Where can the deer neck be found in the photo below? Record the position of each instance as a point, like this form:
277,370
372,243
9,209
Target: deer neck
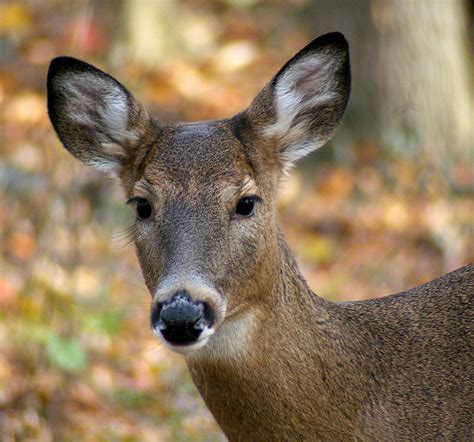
247,377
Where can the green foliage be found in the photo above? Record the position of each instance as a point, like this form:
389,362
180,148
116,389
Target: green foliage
133,399
67,354
108,322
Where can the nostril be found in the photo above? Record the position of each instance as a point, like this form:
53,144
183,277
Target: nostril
155,315
208,313
206,316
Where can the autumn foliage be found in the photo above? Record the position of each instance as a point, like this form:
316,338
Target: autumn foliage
77,358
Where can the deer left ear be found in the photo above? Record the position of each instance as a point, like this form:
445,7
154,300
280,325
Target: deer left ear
302,106
95,117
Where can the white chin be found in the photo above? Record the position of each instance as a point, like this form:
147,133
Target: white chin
186,349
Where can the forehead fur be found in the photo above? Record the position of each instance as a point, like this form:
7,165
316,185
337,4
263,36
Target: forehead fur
204,151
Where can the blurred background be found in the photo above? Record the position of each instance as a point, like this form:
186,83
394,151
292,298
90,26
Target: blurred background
387,205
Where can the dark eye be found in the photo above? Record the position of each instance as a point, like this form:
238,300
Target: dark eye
143,208
245,206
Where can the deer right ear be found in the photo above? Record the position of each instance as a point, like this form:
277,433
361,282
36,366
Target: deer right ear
95,117
301,107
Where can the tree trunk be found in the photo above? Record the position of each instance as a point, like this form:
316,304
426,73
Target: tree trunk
425,98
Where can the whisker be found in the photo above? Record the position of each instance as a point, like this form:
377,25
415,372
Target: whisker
125,237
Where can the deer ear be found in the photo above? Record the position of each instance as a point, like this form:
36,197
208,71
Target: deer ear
95,117
301,107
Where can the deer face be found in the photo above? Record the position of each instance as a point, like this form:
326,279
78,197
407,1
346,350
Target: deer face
204,216
204,193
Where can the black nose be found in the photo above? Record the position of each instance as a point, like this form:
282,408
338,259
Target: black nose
181,320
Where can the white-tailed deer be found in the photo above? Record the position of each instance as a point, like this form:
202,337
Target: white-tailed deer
272,360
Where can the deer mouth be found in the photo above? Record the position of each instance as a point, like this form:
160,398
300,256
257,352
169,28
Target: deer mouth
189,347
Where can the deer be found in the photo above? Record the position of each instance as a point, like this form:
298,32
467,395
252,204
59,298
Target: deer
271,359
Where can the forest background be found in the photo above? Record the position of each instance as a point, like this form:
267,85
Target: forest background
386,205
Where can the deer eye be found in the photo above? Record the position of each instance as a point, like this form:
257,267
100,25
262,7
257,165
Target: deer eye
142,207
246,206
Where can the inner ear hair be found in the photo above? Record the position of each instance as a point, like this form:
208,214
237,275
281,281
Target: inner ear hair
96,118
306,99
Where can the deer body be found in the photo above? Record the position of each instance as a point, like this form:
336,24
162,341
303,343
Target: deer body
271,359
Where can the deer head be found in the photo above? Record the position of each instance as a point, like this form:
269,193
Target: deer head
204,193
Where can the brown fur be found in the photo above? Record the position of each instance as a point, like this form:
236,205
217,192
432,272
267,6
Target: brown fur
283,363
394,368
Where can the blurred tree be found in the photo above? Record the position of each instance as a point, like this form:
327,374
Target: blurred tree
410,63
425,96
354,20
152,28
